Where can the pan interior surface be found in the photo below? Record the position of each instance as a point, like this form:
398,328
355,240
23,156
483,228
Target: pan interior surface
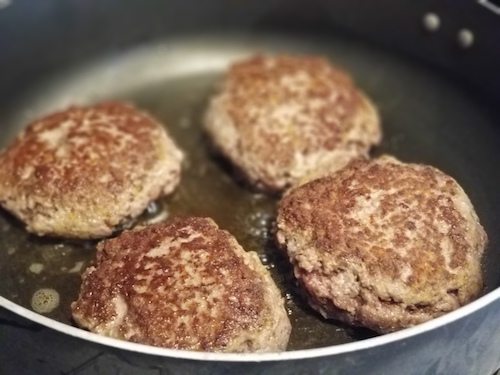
426,118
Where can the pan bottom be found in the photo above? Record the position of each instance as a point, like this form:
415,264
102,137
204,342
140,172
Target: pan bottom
426,118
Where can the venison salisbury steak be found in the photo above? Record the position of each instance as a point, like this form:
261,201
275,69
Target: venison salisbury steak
383,244
279,119
82,172
183,284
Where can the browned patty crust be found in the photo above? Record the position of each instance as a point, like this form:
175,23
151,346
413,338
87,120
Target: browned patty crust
282,118
383,244
83,171
183,284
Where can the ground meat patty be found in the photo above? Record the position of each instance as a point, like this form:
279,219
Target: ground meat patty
383,244
183,284
280,119
82,172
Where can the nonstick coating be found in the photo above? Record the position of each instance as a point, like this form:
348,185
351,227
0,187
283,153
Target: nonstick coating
426,118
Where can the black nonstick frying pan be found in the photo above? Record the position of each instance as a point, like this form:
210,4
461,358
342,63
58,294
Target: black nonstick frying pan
432,68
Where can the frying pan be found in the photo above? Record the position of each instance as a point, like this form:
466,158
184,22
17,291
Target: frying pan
430,66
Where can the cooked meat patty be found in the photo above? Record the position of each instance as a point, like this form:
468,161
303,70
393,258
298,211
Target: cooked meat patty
280,119
383,244
82,172
183,284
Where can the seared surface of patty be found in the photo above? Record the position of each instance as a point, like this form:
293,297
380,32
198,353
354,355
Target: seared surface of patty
82,172
183,284
383,244
280,119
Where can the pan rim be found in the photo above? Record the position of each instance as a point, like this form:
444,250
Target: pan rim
430,325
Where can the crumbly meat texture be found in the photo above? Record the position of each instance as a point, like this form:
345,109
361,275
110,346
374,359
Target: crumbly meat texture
383,244
184,284
282,120
82,172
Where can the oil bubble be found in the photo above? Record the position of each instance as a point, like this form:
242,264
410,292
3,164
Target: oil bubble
45,300
36,268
